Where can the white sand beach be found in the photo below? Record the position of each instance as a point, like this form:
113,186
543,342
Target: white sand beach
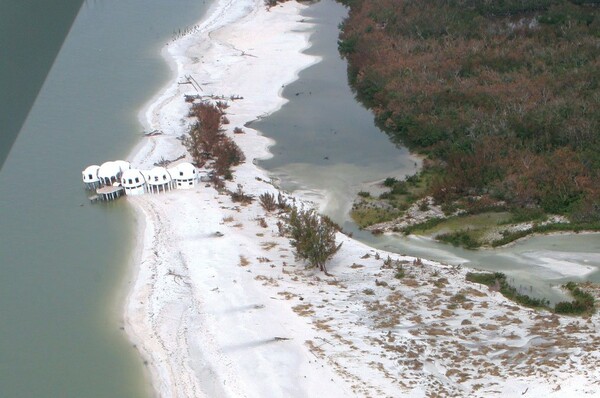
236,316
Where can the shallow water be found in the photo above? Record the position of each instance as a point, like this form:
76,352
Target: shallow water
536,266
326,143
62,260
328,148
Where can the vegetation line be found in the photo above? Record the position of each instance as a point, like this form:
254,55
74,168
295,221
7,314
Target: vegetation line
583,303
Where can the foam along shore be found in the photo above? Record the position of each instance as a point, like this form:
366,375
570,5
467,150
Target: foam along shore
218,306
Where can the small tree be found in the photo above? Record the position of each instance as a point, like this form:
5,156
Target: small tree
267,201
282,202
312,236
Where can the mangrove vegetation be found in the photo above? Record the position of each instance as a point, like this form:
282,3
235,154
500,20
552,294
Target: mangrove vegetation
501,98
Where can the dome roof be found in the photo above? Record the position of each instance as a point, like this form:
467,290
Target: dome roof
183,171
123,165
90,174
158,176
132,178
109,169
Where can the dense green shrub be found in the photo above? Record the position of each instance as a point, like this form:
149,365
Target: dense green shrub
519,215
425,225
366,216
459,238
582,303
485,278
312,236
498,280
389,182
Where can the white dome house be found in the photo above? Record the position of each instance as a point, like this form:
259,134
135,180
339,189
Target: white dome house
159,179
123,165
108,173
133,181
90,177
184,175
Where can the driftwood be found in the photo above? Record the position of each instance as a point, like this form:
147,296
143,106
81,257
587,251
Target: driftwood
193,97
152,133
189,79
165,162
245,54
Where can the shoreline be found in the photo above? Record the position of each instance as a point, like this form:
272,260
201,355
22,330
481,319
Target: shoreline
164,382
207,324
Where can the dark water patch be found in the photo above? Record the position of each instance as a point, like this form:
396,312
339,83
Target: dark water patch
31,34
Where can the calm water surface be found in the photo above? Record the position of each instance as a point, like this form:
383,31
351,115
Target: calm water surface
326,141
62,260
328,149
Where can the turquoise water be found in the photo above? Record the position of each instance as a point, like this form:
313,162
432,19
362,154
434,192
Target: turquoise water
328,149
62,260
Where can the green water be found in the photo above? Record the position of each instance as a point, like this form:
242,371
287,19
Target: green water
63,261
328,148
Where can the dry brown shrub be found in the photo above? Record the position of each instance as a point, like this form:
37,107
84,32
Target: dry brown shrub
312,347
268,245
335,282
282,202
323,325
218,183
227,154
266,280
240,197
281,228
410,282
244,261
303,309
446,313
489,326
473,292
287,295
267,201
